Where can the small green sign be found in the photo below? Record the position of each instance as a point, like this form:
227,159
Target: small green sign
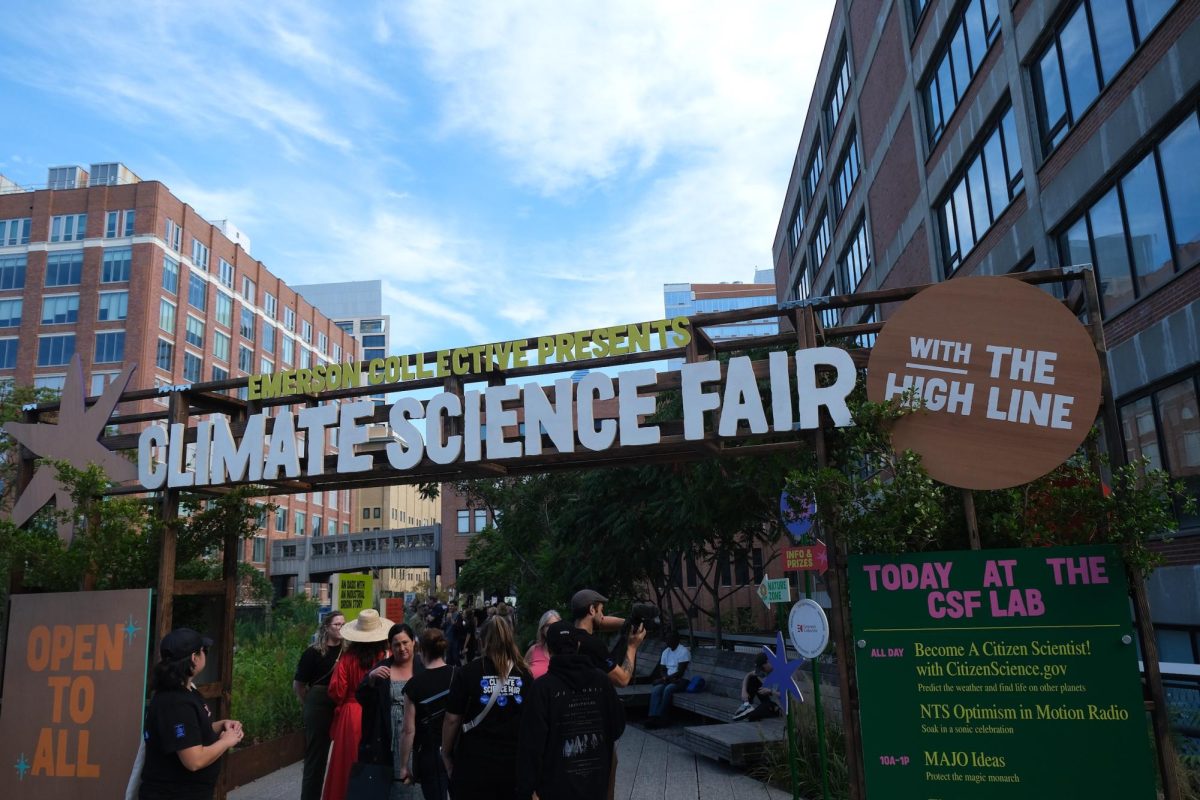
999,674
774,590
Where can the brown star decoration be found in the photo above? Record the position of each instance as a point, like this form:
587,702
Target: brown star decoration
75,438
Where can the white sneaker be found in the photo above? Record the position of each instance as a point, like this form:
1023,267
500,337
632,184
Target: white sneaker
743,710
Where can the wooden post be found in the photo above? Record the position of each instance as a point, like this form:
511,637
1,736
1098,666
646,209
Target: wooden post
177,412
968,498
1159,713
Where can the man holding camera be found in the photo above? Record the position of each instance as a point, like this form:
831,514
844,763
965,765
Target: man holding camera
587,608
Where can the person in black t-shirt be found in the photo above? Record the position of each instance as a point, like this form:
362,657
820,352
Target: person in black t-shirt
753,693
587,607
424,712
183,742
479,735
311,685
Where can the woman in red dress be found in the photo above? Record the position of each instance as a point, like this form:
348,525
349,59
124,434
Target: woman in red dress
366,644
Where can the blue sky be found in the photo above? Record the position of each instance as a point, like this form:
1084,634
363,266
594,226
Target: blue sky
507,168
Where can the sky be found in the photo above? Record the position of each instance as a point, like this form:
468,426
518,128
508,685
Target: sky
507,169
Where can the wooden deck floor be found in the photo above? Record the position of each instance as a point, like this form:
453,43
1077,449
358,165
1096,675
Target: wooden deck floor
649,767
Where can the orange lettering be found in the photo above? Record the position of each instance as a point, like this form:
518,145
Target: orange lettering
109,653
60,646
37,652
83,647
83,699
43,754
62,768
58,683
86,770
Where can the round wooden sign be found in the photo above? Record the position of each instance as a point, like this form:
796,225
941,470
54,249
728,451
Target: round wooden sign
1008,378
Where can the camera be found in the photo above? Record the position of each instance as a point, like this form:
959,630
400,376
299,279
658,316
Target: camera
644,614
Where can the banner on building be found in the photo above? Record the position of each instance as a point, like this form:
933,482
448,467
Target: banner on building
74,688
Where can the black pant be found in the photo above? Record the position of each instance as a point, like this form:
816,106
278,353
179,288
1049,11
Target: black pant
431,772
765,709
318,716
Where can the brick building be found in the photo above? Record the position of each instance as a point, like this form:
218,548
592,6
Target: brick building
121,271
983,137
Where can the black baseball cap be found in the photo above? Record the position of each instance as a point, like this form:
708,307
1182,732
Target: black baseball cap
561,638
582,600
181,643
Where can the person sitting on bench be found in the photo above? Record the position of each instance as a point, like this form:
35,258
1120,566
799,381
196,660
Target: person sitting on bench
668,679
753,693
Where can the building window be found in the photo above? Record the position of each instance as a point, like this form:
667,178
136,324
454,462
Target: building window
480,519
8,353
801,288
170,275
813,174
856,260
464,521
836,100
64,269
53,382
337,353
54,351
221,343
366,513
1125,235
60,309
306,331
265,367
113,306
246,329
164,359
316,525
110,347
796,229
68,228
820,240
1164,428
15,231
305,359
119,223
288,350
289,319
12,272
993,178
192,367
225,273
249,292
116,266
830,317
300,523
193,332
245,359
10,312
281,519
1088,49
847,174
197,291
270,304
199,255
166,315
974,31
322,343
259,555
332,527
268,337
224,310
220,374
173,235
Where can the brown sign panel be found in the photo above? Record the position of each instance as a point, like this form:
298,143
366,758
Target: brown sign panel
74,685
1008,378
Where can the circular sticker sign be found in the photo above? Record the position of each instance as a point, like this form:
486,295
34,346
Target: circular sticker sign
1007,378
808,628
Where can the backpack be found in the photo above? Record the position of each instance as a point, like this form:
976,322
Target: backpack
696,684
430,712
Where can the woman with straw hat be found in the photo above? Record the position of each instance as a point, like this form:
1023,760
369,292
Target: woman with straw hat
365,642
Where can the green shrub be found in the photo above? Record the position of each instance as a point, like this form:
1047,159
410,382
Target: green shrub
263,665
774,769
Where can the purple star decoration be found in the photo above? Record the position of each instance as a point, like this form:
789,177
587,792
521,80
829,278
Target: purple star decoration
780,676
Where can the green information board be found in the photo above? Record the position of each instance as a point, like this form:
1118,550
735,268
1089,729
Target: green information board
999,674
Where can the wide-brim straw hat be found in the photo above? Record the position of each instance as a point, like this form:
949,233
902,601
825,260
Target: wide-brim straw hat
368,627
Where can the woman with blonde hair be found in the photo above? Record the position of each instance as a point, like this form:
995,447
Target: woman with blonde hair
483,718
537,656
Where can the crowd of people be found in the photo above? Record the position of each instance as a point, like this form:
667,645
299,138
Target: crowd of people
457,710
448,704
